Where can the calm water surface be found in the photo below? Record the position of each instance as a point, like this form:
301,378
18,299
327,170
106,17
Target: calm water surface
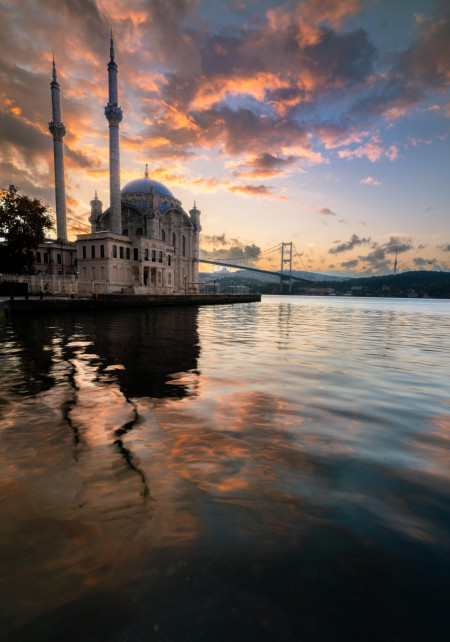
266,471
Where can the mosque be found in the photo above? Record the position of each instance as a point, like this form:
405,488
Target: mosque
143,243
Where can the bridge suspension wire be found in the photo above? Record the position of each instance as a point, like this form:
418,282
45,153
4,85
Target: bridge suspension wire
301,260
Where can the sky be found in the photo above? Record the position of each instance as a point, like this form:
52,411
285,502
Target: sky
321,122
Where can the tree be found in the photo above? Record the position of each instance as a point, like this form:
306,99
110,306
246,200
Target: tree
23,222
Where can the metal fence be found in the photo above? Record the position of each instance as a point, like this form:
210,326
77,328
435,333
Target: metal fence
56,285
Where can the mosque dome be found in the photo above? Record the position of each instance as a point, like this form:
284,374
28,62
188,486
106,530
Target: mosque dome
144,186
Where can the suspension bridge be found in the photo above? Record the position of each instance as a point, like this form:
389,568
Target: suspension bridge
287,250
288,253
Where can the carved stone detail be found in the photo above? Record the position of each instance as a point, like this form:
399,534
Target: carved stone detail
57,130
113,114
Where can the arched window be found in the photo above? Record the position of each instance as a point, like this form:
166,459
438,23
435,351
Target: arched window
125,232
160,257
121,252
146,254
163,235
153,255
173,242
135,254
139,231
114,248
183,250
128,253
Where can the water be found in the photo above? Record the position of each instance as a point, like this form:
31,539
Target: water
265,471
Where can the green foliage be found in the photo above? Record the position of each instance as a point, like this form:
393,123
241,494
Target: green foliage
23,220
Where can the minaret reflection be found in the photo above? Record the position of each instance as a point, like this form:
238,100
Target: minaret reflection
88,371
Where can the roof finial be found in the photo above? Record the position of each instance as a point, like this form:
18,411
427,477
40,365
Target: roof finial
96,197
146,170
111,47
53,67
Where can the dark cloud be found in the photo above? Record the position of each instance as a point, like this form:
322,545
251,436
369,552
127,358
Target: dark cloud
397,245
377,258
349,245
264,166
420,262
254,190
234,249
446,248
176,45
350,264
326,212
215,239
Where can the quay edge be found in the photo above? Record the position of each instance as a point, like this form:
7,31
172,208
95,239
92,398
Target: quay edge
110,301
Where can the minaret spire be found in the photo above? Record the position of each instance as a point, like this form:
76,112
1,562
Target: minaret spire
114,116
146,170
58,132
111,47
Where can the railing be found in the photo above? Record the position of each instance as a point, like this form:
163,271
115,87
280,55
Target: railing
56,285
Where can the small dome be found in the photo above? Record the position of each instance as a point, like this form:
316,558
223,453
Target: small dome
144,186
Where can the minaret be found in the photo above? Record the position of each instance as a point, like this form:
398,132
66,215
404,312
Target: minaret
114,115
58,132
195,218
96,210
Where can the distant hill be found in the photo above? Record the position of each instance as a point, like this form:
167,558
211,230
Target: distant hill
420,283
267,278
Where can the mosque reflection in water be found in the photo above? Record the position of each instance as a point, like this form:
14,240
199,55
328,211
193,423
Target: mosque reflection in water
158,483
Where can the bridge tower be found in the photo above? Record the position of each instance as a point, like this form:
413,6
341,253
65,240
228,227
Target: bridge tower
286,252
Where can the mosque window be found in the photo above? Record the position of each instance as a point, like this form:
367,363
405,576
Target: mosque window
135,254
153,256
163,235
83,252
92,251
125,232
102,251
146,254
114,248
45,257
139,231
183,250
173,242
159,257
38,257
169,260
121,252
128,253
58,259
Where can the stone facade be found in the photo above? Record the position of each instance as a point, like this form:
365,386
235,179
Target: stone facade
56,258
157,251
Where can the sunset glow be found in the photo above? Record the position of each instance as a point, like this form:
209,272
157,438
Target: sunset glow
324,122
